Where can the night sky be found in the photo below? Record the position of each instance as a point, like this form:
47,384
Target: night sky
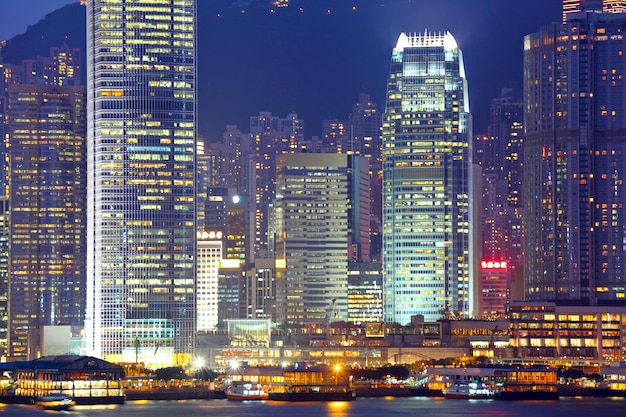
317,60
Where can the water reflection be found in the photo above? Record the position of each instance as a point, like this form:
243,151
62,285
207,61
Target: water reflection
338,409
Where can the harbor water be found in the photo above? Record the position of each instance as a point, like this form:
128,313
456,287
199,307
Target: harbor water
361,407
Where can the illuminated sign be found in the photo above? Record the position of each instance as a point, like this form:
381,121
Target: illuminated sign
494,264
209,235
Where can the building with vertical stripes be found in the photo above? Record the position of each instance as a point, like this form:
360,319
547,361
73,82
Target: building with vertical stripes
426,181
315,227
141,207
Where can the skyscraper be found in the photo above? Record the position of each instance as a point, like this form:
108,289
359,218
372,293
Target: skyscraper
141,260
575,161
315,194
272,136
426,181
500,157
365,122
47,172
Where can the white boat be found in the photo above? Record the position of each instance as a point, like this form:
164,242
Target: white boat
56,402
469,391
246,391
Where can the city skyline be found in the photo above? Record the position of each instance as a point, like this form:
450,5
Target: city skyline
278,224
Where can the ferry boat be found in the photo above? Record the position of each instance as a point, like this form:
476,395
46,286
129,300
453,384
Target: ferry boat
55,402
246,391
314,383
527,384
314,394
469,391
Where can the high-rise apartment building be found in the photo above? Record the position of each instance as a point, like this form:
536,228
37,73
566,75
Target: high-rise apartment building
426,181
575,161
575,6
499,155
314,199
62,67
47,172
141,214
272,136
365,135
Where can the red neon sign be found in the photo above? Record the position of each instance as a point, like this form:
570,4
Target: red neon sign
494,264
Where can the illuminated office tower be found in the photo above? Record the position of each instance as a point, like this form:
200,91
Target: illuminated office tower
209,259
575,161
365,292
315,197
141,225
426,181
46,213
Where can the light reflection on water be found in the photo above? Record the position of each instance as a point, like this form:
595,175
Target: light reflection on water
362,407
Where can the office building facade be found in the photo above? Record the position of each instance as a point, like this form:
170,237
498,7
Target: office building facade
426,181
141,260
312,230
209,258
574,161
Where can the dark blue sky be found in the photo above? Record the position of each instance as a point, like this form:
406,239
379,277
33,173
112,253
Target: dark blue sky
16,15
316,63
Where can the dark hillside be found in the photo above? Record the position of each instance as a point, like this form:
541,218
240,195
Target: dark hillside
63,26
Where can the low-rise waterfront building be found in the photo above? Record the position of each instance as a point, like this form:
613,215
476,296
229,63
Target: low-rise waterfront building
548,330
86,379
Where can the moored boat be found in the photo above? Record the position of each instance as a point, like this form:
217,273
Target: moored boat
527,384
469,391
313,394
246,391
56,402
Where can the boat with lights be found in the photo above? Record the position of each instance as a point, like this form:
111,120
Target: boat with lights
246,391
469,391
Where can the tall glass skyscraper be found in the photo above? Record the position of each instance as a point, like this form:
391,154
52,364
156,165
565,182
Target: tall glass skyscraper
141,229
426,184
